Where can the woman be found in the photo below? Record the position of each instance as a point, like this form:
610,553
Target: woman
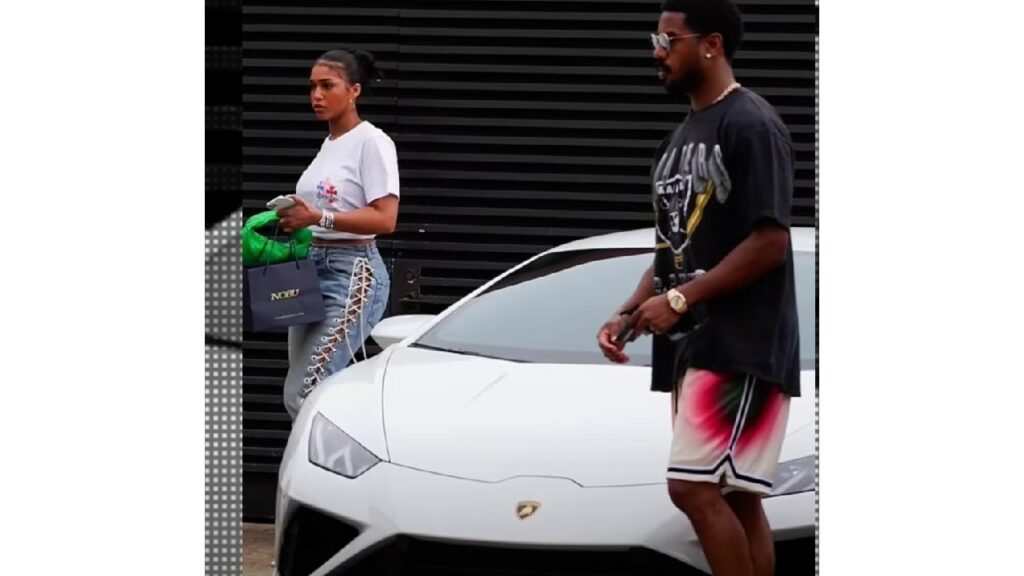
347,195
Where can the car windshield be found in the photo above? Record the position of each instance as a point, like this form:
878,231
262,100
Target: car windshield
550,310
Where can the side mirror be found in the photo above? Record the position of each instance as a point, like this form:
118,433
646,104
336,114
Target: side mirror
397,328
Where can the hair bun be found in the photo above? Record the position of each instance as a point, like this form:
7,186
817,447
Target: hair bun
368,65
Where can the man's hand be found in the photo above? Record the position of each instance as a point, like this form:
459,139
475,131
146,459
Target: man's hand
610,347
299,216
655,315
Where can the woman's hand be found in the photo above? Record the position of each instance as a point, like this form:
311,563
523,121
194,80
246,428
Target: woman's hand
299,216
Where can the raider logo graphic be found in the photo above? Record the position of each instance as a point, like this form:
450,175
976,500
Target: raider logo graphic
685,180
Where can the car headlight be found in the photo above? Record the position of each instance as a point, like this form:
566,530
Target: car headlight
331,449
793,476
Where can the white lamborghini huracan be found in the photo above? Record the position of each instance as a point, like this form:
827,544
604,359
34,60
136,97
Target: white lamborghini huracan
495,438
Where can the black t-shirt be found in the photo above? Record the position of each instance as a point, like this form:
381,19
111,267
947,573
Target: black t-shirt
726,169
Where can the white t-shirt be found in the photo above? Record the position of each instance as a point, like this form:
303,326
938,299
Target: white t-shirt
349,173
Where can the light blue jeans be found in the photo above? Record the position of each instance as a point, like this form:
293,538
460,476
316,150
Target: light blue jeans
355,286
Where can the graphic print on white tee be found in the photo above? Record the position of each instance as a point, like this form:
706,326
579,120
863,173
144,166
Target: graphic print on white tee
326,194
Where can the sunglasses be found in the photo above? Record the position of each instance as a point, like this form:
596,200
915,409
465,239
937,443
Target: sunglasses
664,41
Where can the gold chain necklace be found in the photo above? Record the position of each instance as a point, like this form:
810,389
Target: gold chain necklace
728,89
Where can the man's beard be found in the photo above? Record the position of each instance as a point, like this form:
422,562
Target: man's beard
687,84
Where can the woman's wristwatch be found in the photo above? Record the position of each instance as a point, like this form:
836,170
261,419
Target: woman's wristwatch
327,219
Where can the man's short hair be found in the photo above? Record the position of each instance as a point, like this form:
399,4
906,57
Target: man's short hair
709,17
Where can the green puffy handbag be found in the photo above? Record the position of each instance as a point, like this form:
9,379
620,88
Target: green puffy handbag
258,249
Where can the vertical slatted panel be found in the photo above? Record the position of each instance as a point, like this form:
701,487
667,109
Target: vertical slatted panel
520,124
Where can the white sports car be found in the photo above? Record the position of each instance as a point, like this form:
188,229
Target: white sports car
495,438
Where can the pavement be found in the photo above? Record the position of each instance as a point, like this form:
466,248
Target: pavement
257,549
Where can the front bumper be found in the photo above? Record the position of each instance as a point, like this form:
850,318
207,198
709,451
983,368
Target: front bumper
391,507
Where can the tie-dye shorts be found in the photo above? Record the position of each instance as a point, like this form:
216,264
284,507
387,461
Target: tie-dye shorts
727,429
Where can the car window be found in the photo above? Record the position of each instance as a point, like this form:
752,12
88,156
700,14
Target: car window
550,310
804,272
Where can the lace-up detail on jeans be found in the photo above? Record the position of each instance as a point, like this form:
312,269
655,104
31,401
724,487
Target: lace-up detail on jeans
352,316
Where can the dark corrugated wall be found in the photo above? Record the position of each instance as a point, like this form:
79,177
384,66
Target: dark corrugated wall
519,125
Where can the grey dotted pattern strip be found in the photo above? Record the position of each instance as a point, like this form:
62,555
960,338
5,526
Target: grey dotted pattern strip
226,118
223,57
224,399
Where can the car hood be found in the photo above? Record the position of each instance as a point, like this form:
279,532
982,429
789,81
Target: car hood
492,420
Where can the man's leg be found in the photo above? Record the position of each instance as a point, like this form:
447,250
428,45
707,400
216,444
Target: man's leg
720,532
756,457
709,409
748,509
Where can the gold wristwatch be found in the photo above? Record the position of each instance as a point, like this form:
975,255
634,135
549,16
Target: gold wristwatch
677,301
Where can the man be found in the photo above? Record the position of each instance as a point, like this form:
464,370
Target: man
725,341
